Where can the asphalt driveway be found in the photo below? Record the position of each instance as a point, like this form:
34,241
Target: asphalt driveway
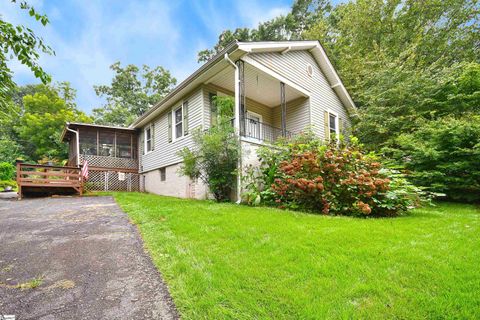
76,258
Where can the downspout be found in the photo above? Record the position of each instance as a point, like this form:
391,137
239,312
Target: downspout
237,125
77,143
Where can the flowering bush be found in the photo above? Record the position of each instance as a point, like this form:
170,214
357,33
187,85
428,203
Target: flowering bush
331,179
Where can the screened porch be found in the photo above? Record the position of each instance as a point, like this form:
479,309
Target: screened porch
101,146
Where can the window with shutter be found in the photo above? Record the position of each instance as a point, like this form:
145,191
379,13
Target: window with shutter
178,123
148,137
332,125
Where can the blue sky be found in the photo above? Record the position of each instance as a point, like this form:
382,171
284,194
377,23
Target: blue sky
88,36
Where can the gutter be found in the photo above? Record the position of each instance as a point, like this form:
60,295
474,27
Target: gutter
77,143
237,126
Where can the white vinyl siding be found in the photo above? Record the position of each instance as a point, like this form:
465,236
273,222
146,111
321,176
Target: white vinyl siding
166,153
298,115
293,66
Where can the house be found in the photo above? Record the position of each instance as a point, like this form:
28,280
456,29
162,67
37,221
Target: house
280,89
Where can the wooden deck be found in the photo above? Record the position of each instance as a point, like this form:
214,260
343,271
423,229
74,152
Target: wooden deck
40,179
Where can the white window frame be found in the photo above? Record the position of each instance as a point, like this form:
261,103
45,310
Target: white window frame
337,124
149,127
260,117
174,124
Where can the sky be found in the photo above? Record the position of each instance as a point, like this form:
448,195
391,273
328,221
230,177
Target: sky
89,36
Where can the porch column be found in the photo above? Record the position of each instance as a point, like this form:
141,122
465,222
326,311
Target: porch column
283,107
240,95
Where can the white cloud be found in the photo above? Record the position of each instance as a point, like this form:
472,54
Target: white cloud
253,12
89,36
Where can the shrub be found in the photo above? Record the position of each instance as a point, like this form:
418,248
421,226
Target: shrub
306,174
444,156
7,171
7,183
214,159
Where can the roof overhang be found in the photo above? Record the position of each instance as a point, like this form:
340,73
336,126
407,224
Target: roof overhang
237,50
76,125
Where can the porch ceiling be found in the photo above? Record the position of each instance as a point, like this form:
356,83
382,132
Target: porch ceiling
259,85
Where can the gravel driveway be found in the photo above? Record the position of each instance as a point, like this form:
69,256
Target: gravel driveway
76,258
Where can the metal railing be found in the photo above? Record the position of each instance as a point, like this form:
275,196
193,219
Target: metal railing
255,129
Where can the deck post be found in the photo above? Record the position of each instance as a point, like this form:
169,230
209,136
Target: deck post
19,176
283,106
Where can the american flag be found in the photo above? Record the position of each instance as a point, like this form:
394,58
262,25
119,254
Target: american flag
84,171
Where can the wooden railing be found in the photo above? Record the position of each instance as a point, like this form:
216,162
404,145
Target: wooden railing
45,176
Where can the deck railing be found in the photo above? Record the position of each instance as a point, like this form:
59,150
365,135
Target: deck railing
45,176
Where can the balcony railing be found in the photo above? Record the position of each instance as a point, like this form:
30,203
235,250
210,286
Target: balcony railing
257,130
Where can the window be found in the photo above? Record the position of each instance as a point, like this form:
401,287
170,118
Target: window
163,174
178,121
253,125
148,139
333,124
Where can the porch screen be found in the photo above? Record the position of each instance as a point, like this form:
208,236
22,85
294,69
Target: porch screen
106,144
124,145
88,142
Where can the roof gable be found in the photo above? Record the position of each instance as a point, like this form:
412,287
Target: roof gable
236,50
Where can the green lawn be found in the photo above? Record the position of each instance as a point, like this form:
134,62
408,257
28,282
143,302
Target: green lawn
230,261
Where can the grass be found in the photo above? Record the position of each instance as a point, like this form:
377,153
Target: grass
30,284
230,261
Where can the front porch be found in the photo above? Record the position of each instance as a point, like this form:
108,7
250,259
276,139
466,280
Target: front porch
267,106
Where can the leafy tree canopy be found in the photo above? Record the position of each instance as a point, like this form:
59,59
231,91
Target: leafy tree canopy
31,129
23,44
131,93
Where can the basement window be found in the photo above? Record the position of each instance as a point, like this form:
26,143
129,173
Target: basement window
163,174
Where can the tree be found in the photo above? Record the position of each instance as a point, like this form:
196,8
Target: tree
40,123
131,93
21,42
395,57
443,156
284,27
